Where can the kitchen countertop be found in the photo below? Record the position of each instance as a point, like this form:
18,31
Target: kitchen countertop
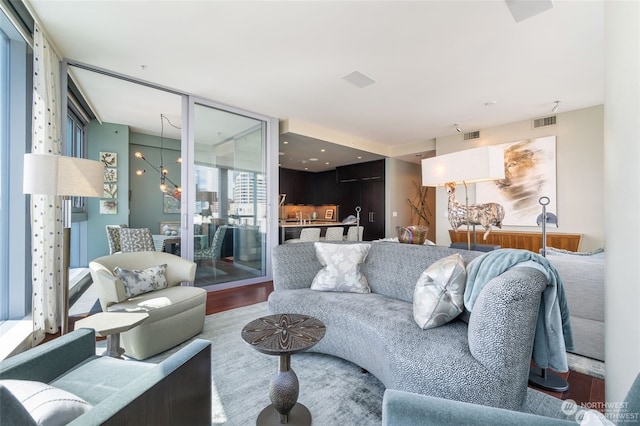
312,224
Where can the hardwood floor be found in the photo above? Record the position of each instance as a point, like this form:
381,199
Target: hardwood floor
232,298
582,388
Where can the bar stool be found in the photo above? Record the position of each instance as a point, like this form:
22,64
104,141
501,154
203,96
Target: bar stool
334,233
355,233
307,234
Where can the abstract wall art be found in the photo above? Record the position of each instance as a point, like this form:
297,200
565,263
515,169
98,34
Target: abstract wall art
530,173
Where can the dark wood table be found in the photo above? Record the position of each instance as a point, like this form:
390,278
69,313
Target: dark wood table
283,335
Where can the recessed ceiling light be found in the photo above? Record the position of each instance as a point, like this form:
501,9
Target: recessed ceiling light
306,168
313,159
327,163
281,153
322,150
359,157
285,142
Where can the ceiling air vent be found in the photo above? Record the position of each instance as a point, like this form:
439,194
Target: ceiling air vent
472,135
544,121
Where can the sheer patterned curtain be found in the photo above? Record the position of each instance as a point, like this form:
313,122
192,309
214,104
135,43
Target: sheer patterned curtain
46,212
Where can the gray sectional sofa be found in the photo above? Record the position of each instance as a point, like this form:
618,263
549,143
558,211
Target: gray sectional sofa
583,277
484,362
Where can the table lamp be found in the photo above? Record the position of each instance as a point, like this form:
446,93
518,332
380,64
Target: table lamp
67,177
463,167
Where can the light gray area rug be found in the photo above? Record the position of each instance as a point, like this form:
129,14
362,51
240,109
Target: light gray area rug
584,365
335,391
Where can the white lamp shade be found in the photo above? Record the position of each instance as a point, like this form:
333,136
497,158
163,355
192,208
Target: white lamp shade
468,166
60,175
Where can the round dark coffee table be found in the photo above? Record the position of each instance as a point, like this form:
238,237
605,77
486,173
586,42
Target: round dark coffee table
283,335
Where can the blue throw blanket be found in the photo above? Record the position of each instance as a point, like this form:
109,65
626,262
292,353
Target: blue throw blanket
553,329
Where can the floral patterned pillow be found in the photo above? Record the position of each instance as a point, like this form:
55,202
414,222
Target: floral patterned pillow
439,293
341,270
139,281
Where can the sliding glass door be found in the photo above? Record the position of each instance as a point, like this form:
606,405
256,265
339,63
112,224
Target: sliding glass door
228,201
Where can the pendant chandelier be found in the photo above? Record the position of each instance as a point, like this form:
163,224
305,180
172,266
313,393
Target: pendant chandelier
175,191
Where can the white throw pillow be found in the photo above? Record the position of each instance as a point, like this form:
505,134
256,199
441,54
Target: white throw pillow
341,271
439,293
48,405
139,281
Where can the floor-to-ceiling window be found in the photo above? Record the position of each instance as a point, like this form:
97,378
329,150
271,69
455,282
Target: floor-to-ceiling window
15,137
4,222
75,147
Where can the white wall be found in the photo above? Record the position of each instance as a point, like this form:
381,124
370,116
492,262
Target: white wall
622,175
399,178
579,169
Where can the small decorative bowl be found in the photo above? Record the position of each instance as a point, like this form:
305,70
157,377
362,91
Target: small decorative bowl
413,234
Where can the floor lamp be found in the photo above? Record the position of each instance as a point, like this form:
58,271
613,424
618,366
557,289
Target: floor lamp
540,377
46,174
463,167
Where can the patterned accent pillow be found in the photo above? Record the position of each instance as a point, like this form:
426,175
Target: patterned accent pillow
47,404
136,239
439,293
341,270
139,281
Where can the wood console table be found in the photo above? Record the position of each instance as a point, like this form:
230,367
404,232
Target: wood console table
519,239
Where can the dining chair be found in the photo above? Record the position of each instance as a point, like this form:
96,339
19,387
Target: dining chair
136,239
113,237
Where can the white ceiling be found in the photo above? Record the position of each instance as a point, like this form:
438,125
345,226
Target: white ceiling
435,63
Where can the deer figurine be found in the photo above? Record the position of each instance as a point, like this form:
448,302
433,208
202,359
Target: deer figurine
477,214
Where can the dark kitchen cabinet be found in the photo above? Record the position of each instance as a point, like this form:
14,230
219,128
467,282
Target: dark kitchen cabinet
297,185
363,185
348,187
372,170
372,215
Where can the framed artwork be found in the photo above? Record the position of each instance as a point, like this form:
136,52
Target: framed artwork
170,228
110,190
530,173
170,204
110,174
108,207
328,214
110,159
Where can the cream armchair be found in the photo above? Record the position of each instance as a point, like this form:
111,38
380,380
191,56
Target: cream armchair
176,313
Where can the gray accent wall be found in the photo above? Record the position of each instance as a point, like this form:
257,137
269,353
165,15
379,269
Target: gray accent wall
146,199
110,138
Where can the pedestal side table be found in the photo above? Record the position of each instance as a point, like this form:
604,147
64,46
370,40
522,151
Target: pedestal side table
110,325
283,335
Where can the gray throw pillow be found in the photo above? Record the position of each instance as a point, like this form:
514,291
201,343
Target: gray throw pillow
341,268
438,296
46,404
139,281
